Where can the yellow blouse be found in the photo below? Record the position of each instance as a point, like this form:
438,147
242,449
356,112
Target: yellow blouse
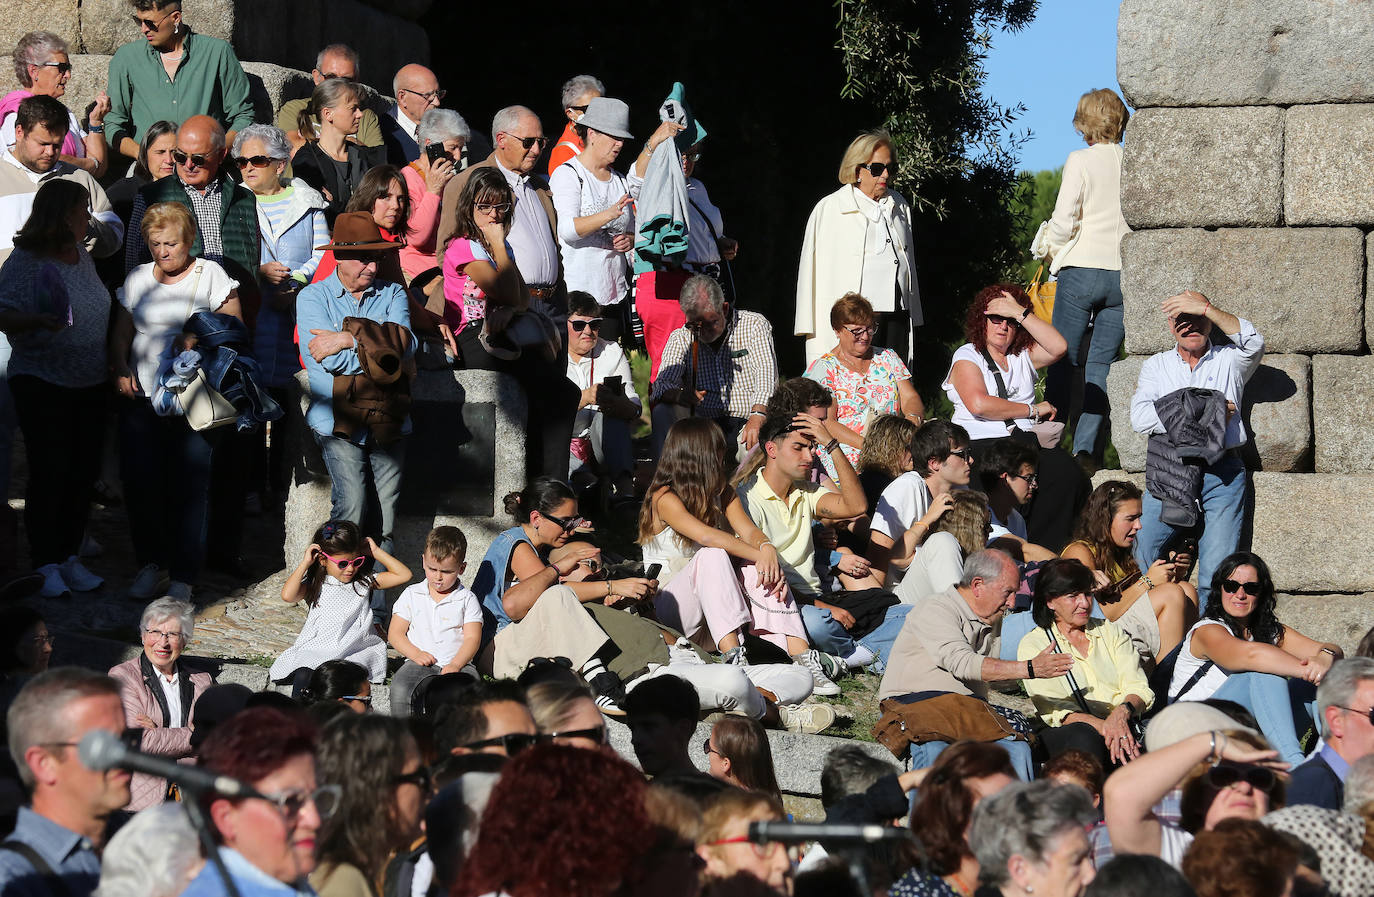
1106,674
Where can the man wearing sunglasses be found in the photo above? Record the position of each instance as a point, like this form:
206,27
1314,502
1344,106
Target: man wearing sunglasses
520,141
59,833
1173,491
171,75
487,718
599,368
1345,715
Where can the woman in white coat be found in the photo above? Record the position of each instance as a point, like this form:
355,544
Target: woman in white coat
859,240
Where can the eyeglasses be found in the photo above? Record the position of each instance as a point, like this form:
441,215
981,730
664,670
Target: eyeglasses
44,639
290,803
346,564
527,142
692,157
255,161
488,208
1250,588
1367,714
431,96
578,108
707,749
199,160
596,733
878,168
762,851
512,744
568,523
419,778
579,326
63,68
149,24
365,700
1224,775
171,635
965,453
861,332
130,738
1003,319
1031,479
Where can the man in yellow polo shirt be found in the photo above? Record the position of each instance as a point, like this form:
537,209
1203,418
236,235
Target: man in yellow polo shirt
858,627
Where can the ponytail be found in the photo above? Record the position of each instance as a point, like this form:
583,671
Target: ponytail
542,495
305,121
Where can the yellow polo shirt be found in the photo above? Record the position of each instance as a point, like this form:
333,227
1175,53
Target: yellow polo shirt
787,524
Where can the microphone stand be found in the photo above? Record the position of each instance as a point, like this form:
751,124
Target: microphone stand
207,840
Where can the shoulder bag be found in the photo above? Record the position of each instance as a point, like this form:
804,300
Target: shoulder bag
1132,722
204,407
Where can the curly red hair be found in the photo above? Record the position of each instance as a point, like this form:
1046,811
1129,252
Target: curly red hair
976,324
561,820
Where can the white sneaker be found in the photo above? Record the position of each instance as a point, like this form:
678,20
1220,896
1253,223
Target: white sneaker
181,591
78,577
811,661
147,584
54,586
861,657
806,719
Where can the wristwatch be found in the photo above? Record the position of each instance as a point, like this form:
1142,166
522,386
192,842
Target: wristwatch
1025,314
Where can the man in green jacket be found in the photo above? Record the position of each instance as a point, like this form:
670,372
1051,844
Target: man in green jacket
172,74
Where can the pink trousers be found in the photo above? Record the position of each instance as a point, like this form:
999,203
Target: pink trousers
656,300
715,595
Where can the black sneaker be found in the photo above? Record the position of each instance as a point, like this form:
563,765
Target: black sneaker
610,693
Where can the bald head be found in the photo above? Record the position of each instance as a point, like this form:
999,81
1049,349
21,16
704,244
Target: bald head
417,91
200,143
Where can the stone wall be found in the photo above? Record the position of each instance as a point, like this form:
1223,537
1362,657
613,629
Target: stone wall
1247,176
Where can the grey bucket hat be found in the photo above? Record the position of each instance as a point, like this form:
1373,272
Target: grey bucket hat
609,116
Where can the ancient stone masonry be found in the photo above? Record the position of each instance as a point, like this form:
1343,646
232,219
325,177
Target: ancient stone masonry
1247,176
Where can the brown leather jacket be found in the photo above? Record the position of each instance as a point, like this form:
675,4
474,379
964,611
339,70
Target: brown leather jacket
379,397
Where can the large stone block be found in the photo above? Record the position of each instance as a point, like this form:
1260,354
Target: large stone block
1302,287
1315,530
1342,391
1245,52
1277,414
23,16
1340,619
1326,164
1369,287
272,85
1203,167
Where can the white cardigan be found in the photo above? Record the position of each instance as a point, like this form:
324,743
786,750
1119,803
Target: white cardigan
832,263
1087,226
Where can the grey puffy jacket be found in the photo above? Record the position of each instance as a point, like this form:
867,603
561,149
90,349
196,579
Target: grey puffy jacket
1194,436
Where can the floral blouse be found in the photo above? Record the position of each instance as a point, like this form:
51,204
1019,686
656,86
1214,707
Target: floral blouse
861,397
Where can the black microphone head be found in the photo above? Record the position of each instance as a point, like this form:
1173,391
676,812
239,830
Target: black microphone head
100,750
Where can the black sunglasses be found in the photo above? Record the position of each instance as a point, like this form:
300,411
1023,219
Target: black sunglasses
255,161
1367,714
877,168
707,749
199,160
362,699
512,744
578,108
965,453
1003,319
62,67
579,326
1250,588
596,733
528,142
568,523
419,778
1224,775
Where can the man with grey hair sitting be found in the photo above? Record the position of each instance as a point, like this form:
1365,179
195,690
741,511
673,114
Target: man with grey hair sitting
720,365
54,847
948,649
1345,715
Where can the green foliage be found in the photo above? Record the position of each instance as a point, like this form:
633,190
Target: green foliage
1033,203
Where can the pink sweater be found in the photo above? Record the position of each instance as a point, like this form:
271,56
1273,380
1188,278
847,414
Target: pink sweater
417,256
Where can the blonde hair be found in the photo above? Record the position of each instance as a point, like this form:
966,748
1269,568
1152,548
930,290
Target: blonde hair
966,520
165,215
861,150
1101,116
887,437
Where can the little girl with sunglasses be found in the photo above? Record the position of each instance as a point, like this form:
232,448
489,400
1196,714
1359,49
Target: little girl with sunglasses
335,577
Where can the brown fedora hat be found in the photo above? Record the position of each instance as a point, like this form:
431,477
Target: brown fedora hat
357,232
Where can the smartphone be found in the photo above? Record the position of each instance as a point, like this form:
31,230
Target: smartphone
614,384
1186,545
653,571
436,151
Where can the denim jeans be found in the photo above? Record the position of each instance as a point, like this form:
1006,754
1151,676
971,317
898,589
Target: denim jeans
829,636
923,755
1283,707
1081,293
166,467
1223,514
348,465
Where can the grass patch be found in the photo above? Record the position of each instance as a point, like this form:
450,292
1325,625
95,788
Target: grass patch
858,698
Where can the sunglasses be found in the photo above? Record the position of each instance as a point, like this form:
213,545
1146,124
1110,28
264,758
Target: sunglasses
419,778
487,208
596,733
964,453
365,700
346,564
579,326
512,744
568,523
1224,775
1367,714
1002,319
1250,588
527,142
707,749
578,108
692,157
1031,480
326,799
199,160
63,68
150,24
878,168
255,161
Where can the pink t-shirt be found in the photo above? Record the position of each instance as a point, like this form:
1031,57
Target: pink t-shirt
464,301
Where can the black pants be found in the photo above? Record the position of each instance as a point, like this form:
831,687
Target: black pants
551,397
63,429
1076,736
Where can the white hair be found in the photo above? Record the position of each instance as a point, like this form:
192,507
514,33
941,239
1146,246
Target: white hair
986,565
1339,686
438,125
1026,819
152,855
170,609
700,292
35,48
577,85
508,118
1359,785
273,140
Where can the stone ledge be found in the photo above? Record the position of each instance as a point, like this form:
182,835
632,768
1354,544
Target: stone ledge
1302,287
1326,164
1204,168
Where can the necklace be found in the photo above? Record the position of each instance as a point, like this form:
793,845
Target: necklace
957,880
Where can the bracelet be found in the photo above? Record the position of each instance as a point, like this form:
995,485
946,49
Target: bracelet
1149,584
759,413
1325,650
830,446
763,543
609,589
1030,669
95,129
1025,314
1212,748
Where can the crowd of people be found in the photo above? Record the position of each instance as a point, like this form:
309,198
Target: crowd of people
174,266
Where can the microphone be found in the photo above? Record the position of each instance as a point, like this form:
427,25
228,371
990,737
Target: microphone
100,750
836,833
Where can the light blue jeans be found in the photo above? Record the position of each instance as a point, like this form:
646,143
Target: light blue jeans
348,465
1223,514
923,755
829,636
1283,707
1081,293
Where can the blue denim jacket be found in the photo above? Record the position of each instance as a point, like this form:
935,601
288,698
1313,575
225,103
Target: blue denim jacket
492,580
323,306
225,348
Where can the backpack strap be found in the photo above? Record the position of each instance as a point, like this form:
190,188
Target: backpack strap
581,184
56,886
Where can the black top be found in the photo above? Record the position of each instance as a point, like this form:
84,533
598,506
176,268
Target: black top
336,180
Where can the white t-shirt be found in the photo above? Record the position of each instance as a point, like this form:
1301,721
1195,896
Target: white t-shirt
605,360
904,501
1019,377
73,127
160,311
437,627
1015,525
590,262
1188,663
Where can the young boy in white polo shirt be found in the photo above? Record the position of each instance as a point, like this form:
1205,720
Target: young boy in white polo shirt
437,622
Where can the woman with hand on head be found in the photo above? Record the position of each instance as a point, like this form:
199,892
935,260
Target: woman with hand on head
329,161
1239,651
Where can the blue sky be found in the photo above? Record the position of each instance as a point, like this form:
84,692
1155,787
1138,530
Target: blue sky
1068,49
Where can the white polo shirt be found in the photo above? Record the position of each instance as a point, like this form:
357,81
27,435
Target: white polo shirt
437,626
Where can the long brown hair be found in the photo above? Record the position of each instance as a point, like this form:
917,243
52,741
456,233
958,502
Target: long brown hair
1094,526
484,184
373,187
742,741
966,520
692,465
